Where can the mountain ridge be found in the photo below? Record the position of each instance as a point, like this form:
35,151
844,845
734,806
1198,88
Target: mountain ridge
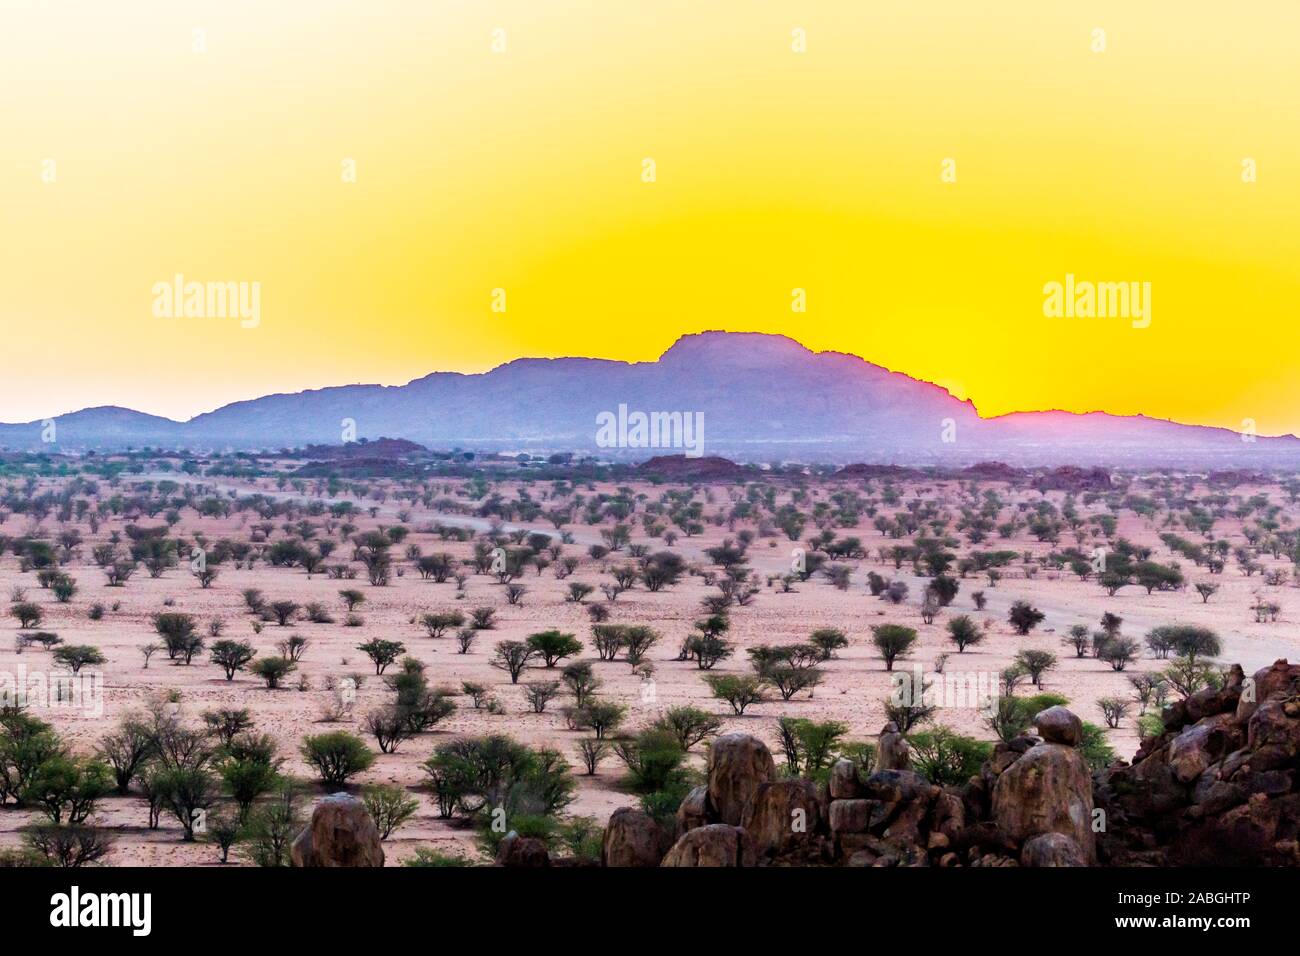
760,395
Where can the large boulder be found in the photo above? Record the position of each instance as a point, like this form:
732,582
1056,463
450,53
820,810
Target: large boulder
633,838
340,833
782,817
738,763
1057,725
714,845
1048,790
527,852
1051,849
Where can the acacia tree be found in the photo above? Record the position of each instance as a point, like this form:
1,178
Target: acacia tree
512,657
964,632
1036,663
1024,617
232,656
382,652
894,641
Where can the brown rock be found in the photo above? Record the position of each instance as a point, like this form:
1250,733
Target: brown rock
738,763
851,816
892,749
694,811
517,851
1051,849
1202,744
1277,680
1056,725
633,838
845,783
782,817
1048,790
340,833
714,845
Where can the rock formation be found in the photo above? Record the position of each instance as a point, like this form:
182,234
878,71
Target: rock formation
1218,786
341,833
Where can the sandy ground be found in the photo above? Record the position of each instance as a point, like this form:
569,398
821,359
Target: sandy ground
853,691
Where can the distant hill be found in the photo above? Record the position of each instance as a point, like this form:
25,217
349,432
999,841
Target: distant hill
762,398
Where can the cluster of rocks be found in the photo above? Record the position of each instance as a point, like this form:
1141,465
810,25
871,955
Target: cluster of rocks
1039,814
1219,786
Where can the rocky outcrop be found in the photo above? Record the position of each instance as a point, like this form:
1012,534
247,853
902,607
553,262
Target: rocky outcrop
1048,789
716,844
892,749
340,833
1219,786
738,763
784,820
633,839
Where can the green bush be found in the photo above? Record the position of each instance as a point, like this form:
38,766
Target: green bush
336,756
947,758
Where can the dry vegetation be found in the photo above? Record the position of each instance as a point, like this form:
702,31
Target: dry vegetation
495,646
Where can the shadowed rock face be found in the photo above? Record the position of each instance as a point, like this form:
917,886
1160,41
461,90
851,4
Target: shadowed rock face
633,839
714,845
738,763
1219,786
341,833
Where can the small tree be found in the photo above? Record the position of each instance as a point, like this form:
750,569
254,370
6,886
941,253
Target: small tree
541,693
272,670
283,611
828,640
382,652
593,751
512,657
553,646
68,846
336,756
389,807
1119,652
689,725
1114,709
1024,617
29,615
894,641
232,656
602,717
581,681
438,624
737,690
1036,663
964,632
224,832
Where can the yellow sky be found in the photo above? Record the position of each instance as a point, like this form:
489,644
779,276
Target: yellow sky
775,170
